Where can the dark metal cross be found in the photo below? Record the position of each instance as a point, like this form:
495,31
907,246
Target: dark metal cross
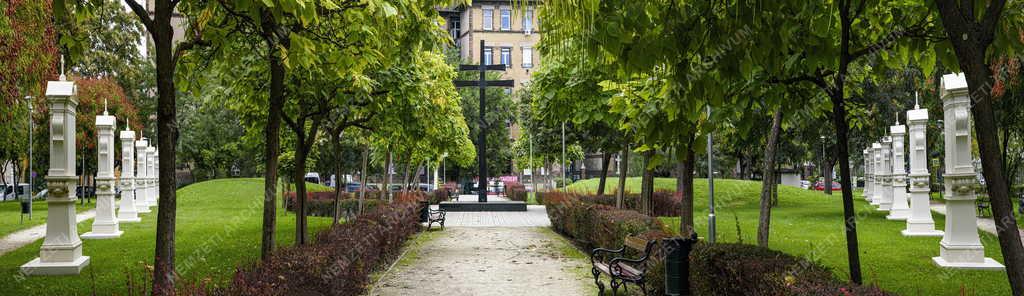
483,83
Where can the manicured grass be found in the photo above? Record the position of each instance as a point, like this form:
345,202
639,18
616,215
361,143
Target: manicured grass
10,215
219,224
810,224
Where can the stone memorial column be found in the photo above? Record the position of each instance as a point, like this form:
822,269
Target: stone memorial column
876,168
61,252
900,210
868,174
920,222
128,212
104,225
885,163
151,176
960,246
141,186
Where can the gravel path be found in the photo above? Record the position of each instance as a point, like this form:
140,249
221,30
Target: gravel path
488,261
21,238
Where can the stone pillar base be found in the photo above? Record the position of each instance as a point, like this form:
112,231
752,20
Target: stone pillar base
143,209
884,207
898,214
38,267
135,219
965,257
96,235
922,233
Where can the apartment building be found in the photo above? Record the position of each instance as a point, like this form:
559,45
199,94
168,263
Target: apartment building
510,35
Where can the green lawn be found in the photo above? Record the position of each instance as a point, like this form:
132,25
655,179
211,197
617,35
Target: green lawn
809,223
218,229
10,215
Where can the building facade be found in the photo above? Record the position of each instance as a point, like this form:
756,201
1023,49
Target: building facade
510,35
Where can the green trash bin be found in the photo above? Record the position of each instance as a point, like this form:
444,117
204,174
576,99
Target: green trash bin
677,264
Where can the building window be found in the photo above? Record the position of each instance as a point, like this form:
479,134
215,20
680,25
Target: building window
455,27
488,55
488,18
527,57
506,19
506,56
528,21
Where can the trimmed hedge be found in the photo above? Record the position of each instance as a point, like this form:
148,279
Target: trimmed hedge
338,262
666,203
515,191
719,269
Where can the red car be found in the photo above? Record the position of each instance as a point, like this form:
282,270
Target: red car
820,186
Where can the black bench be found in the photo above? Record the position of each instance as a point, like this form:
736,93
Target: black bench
622,270
435,216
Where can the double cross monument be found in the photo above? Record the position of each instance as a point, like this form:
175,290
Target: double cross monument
482,84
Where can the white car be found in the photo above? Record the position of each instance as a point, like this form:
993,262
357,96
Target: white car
804,184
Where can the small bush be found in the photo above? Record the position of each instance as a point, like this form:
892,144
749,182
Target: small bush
515,191
338,262
738,269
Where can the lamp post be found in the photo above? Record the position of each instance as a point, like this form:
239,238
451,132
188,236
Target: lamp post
711,186
564,187
822,169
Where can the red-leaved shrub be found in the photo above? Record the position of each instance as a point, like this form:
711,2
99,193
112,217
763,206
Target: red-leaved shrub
338,262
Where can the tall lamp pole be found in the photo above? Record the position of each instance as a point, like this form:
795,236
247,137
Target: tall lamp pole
564,187
711,186
823,163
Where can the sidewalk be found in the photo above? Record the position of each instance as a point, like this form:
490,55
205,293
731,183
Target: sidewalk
24,237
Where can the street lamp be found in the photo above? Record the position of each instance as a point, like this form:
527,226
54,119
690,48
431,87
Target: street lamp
711,186
823,161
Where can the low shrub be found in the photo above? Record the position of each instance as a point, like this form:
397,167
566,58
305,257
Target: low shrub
666,203
348,206
515,191
338,262
738,269
441,194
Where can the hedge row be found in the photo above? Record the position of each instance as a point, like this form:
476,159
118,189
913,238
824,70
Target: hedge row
338,262
718,269
515,191
666,203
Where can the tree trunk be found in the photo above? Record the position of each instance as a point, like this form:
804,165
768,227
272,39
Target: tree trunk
606,158
827,168
645,205
387,175
301,154
623,171
159,26
362,177
686,169
768,180
272,139
336,141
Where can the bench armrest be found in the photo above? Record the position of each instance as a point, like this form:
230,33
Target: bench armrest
437,214
595,252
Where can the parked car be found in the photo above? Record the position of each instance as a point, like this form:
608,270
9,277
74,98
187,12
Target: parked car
312,177
805,184
821,187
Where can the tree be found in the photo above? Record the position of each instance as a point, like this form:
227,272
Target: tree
972,28
30,52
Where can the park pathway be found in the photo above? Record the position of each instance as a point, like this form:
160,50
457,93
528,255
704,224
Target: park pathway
24,237
473,257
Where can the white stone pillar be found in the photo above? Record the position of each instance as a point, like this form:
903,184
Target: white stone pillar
151,176
885,163
900,210
141,186
920,222
869,176
61,252
104,225
960,246
876,168
128,212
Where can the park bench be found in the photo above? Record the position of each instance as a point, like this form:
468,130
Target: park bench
431,216
984,205
620,269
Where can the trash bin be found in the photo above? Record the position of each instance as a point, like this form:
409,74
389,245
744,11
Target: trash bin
424,211
26,206
677,264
